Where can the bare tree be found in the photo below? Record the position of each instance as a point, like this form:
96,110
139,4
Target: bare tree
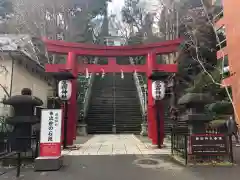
40,19
197,26
133,14
118,26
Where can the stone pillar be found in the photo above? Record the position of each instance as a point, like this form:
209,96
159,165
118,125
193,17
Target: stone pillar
114,129
82,129
144,131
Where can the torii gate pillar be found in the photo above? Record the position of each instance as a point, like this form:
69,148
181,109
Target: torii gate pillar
150,110
151,107
72,103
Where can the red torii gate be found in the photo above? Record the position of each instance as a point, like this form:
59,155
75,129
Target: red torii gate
75,49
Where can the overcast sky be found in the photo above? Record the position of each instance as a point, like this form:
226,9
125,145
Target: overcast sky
115,7
149,5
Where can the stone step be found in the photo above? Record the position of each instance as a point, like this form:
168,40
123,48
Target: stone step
113,94
114,109
98,120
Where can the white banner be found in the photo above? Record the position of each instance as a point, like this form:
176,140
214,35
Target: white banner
51,124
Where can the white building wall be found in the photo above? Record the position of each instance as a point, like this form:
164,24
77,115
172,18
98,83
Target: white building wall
22,78
5,75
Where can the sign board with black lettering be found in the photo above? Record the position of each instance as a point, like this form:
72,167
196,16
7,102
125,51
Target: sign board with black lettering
50,136
209,144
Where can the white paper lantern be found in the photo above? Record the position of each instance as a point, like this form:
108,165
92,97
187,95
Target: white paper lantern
64,90
158,90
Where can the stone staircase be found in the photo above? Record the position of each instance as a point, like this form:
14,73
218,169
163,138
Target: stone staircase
100,114
114,101
127,105
168,122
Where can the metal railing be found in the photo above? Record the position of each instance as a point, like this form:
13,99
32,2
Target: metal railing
18,166
6,152
179,144
19,156
142,91
87,95
88,92
182,148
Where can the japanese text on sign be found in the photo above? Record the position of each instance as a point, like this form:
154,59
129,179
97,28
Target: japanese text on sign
64,90
208,144
51,125
56,117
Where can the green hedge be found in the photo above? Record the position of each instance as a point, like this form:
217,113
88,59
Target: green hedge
221,108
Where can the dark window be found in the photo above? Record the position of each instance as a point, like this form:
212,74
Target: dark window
226,61
226,66
222,37
218,10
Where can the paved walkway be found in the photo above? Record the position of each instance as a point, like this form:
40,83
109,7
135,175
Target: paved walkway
116,145
123,154
125,167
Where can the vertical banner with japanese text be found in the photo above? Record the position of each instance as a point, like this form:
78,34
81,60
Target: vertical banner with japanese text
50,137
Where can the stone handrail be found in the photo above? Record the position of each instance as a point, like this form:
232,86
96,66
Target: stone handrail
88,92
141,93
87,95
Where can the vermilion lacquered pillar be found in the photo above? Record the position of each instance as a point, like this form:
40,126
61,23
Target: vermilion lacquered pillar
71,65
62,134
150,108
72,113
155,129
159,108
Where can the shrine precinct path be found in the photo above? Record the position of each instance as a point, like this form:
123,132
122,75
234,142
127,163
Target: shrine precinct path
121,144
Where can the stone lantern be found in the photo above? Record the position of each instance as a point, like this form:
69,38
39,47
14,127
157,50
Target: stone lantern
195,116
23,119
